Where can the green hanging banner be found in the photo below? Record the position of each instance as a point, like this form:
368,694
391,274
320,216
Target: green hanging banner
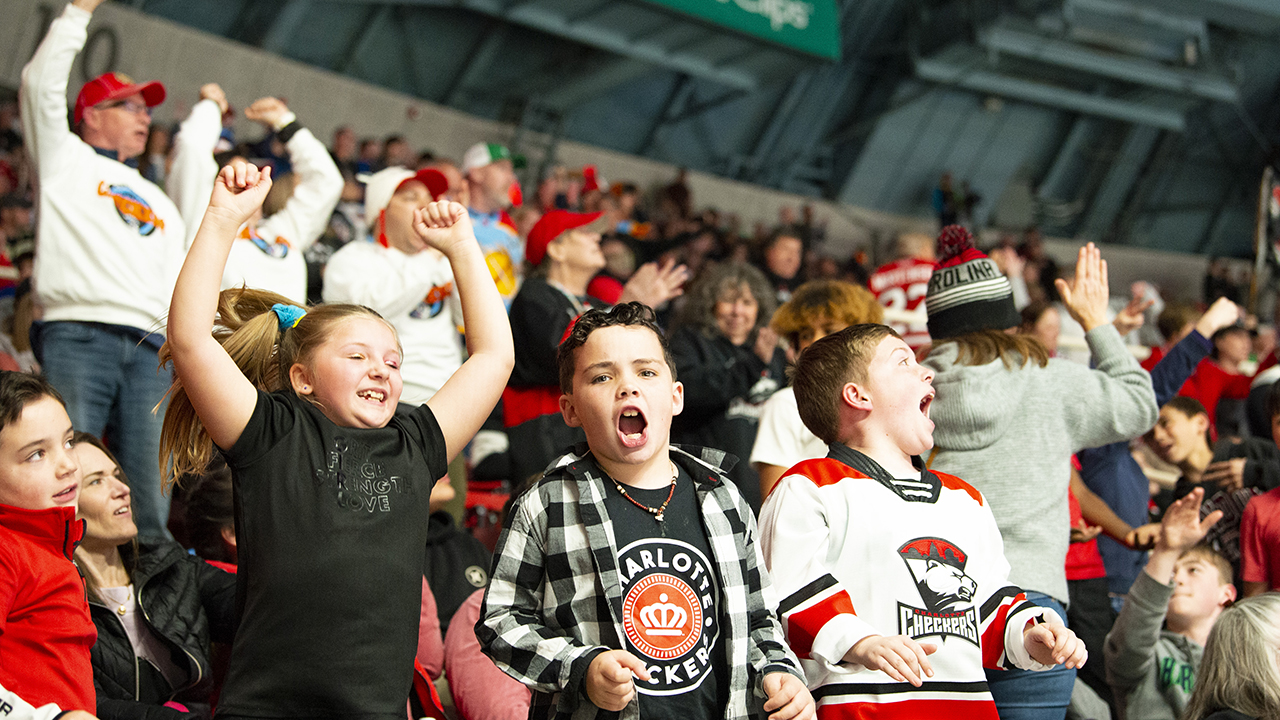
810,26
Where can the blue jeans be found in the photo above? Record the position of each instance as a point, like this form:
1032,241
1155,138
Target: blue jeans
111,382
1029,695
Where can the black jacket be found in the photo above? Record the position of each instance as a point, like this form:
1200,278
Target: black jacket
185,602
457,564
724,388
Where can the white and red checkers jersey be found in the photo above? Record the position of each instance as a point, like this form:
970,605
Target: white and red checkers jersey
853,556
902,285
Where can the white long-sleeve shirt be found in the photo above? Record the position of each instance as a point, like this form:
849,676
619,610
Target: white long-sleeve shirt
269,255
109,242
415,293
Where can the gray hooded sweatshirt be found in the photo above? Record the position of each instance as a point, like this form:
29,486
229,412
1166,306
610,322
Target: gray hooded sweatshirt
1011,434
1151,670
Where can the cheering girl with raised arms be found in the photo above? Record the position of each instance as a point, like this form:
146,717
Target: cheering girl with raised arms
332,482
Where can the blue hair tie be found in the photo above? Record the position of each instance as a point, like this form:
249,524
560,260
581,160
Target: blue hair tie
289,315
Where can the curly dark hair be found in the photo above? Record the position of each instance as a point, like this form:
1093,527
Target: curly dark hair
699,310
629,314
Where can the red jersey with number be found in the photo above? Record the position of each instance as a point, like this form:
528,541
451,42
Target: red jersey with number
902,285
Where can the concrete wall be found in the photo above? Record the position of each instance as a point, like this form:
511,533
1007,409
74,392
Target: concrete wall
145,46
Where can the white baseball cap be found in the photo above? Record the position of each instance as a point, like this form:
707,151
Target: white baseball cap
380,186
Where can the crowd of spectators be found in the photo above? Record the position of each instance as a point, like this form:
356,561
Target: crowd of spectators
96,214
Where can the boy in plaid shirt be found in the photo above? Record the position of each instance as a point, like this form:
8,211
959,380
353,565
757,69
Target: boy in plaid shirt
627,579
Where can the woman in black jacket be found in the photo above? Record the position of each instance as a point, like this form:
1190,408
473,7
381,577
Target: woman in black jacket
729,362
155,606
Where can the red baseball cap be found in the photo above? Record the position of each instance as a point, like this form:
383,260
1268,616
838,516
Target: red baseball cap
555,223
114,85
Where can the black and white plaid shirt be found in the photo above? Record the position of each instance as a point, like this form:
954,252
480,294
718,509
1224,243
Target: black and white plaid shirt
554,600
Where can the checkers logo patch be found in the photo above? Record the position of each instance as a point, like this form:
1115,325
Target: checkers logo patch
937,566
662,616
669,606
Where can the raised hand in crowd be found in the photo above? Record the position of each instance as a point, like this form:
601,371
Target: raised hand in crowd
1181,528
1052,643
269,111
1087,295
897,656
238,193
654,284
443,226
1131,317
609,682
1222,313
213,91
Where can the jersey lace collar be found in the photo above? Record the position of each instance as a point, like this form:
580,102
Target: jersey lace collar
926,489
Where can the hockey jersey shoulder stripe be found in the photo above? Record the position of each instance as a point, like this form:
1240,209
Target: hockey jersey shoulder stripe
824,471
806,593
811,612
1000,597
994,654
951,482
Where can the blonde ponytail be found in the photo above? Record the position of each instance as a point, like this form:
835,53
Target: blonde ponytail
250,334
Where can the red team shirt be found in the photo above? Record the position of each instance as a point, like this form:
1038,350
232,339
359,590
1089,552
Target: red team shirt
902,285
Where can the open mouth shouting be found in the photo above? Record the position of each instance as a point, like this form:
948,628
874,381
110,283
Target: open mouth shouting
631,427
926,403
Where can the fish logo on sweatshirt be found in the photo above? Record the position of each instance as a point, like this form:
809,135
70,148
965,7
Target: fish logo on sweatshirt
937,566
277,249
433,303
133,210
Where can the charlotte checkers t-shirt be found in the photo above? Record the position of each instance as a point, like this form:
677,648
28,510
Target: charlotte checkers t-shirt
330,524
671,603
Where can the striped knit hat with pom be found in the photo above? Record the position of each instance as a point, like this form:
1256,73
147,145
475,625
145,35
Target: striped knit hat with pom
967,292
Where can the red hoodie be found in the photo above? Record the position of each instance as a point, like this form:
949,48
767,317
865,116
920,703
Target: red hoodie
45,629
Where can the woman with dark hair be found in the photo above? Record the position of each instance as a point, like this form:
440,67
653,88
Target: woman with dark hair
155,606
729,362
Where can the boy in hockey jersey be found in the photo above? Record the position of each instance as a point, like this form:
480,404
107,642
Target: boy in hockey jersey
894,585
626,582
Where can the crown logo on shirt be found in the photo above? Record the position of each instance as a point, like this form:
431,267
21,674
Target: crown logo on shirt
663,618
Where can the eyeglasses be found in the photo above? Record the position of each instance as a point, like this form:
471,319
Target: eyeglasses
129,106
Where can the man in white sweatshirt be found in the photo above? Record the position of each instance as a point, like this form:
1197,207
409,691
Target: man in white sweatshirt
109,247
407,282
268,252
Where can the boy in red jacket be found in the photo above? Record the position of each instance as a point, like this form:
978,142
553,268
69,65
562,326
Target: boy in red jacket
45,629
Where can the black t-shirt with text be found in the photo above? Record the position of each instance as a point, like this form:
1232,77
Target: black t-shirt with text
331,523
670,603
